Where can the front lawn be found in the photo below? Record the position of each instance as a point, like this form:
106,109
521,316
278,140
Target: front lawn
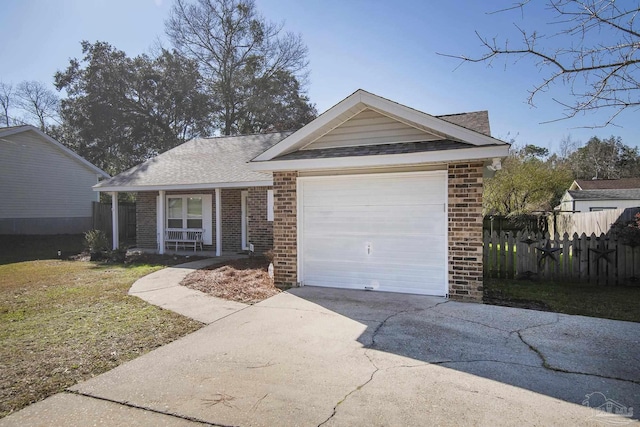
609,302
62,322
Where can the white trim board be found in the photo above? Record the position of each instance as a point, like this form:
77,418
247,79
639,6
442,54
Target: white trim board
406,159
133,188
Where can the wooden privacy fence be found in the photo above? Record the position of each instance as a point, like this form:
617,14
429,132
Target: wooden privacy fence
126,219
595,259
589,222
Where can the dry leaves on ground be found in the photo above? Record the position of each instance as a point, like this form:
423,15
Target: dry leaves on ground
242,280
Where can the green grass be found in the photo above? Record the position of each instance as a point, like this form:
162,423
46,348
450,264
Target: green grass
609,302
65,321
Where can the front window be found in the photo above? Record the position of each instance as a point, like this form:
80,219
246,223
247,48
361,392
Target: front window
194,212
184,212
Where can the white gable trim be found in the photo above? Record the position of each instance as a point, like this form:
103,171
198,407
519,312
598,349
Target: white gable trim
65,150
426,157
360,100
132,188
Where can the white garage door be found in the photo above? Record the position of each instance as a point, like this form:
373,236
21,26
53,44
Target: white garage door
382,232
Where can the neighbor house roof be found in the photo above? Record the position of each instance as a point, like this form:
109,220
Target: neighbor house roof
14,130
197,164
606,184
617,194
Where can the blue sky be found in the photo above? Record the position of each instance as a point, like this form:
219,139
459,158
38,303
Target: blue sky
386,47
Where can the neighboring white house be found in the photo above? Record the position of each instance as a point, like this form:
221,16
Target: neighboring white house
601,194
45,188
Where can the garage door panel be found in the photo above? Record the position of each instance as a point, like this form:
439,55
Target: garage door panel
356,277
418,220
361,272
375,232
389,191
372,249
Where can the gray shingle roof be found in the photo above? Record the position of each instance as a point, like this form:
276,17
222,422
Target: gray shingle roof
625,194
200,161
475,120
374,150
609,184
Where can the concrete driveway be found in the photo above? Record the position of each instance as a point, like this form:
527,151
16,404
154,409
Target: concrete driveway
314,357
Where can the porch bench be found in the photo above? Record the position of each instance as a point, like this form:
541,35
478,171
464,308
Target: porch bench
183,237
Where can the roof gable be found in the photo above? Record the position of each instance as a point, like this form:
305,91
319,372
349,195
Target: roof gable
370,127
361,101
13,130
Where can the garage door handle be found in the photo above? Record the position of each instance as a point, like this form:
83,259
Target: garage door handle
368,248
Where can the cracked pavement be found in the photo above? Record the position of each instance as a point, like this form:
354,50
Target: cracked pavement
328,357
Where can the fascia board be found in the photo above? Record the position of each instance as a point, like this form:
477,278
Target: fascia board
471,154
210,186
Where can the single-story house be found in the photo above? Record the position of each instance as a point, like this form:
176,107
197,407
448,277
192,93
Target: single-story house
601,194
45,187
370,195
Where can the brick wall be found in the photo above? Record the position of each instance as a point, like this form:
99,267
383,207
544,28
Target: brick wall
465,231
260,231
231,213
285,229
146,230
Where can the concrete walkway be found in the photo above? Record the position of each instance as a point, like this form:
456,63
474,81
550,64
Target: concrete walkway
330,357
163,289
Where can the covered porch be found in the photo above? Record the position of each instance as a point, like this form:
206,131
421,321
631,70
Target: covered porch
202,221
204,187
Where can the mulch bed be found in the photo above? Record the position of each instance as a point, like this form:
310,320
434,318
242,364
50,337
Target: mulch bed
243,280
138,257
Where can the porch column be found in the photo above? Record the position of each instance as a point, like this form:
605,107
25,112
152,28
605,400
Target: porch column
218,222
114,220
160,215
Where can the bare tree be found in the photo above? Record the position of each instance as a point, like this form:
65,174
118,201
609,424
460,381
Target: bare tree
38,102
594,52
238,51
6,100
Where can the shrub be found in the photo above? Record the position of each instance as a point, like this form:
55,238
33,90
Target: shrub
628,232
96,241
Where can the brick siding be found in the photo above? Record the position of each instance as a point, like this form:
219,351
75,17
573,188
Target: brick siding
285,229
465,231
146,228
231,212
260,231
